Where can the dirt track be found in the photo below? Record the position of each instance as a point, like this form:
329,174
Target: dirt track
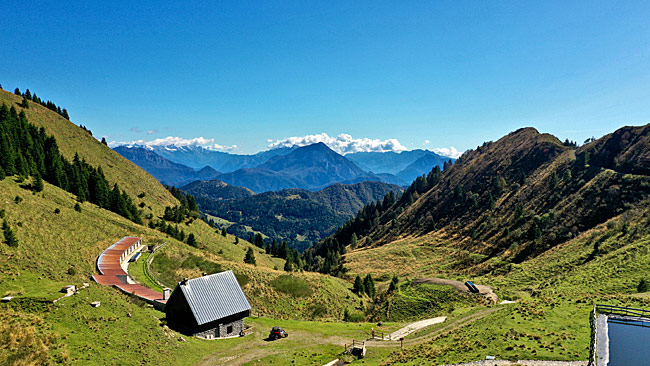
460,286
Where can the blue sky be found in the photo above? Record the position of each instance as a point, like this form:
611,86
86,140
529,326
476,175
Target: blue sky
452,73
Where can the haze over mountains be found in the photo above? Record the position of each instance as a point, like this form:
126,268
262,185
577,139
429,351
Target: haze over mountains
311,167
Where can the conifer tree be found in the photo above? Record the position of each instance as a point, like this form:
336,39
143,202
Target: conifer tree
38,183
259,241
369,285
236,240
10,237
358,288
223,232
191,240
287,265
250,256
354,241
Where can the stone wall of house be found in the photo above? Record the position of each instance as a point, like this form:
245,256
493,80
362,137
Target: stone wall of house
221,330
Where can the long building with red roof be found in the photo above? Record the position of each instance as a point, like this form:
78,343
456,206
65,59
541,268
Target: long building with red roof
110,265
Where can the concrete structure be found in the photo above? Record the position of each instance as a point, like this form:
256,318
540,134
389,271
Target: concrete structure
112,265
69,289
208,307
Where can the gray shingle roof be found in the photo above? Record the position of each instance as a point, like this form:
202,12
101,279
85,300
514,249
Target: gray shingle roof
214,297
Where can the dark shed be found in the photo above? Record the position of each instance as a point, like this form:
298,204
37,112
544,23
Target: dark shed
208,307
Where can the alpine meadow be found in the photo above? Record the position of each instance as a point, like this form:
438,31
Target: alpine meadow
452,184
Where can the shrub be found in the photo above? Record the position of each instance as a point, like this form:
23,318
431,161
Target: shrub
77,207
643,286
291,285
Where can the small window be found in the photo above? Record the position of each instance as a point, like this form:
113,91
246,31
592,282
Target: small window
229,329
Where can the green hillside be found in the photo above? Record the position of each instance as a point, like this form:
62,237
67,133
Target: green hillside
553,227
298,216
59,239
72,139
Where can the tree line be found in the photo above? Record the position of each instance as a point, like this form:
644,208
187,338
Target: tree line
27,95
27,150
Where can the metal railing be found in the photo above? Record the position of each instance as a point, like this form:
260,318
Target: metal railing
625,314
642,314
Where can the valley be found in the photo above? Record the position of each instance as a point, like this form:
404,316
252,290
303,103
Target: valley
550,228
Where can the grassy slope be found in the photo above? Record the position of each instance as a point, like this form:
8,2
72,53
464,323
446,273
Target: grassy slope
72,139
52,244
555,291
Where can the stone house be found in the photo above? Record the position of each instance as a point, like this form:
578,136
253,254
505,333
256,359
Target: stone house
208,307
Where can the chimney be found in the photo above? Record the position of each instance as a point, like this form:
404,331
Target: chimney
166,293
184,281
205,274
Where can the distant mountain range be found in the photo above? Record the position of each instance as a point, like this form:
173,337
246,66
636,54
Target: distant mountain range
407,165
311,167
198,157
299,216
166,171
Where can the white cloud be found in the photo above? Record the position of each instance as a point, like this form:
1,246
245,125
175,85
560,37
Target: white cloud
343,143
151,132
221,147
451,152
427,142
176,141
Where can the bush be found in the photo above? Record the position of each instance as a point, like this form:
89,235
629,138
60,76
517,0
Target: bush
291,285
72,271
77,207
643,286
354,317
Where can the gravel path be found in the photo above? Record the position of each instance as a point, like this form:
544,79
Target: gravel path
460,286
396,335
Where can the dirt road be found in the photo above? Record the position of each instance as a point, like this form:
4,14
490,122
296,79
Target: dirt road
460,286
396,335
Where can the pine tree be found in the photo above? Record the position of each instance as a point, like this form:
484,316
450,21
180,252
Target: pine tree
38,183
10,237
191,240
358,288
259,241
287,265
24,103
236,240
393,284
369,285
104,141
223,232
250,256
17,91
354,241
